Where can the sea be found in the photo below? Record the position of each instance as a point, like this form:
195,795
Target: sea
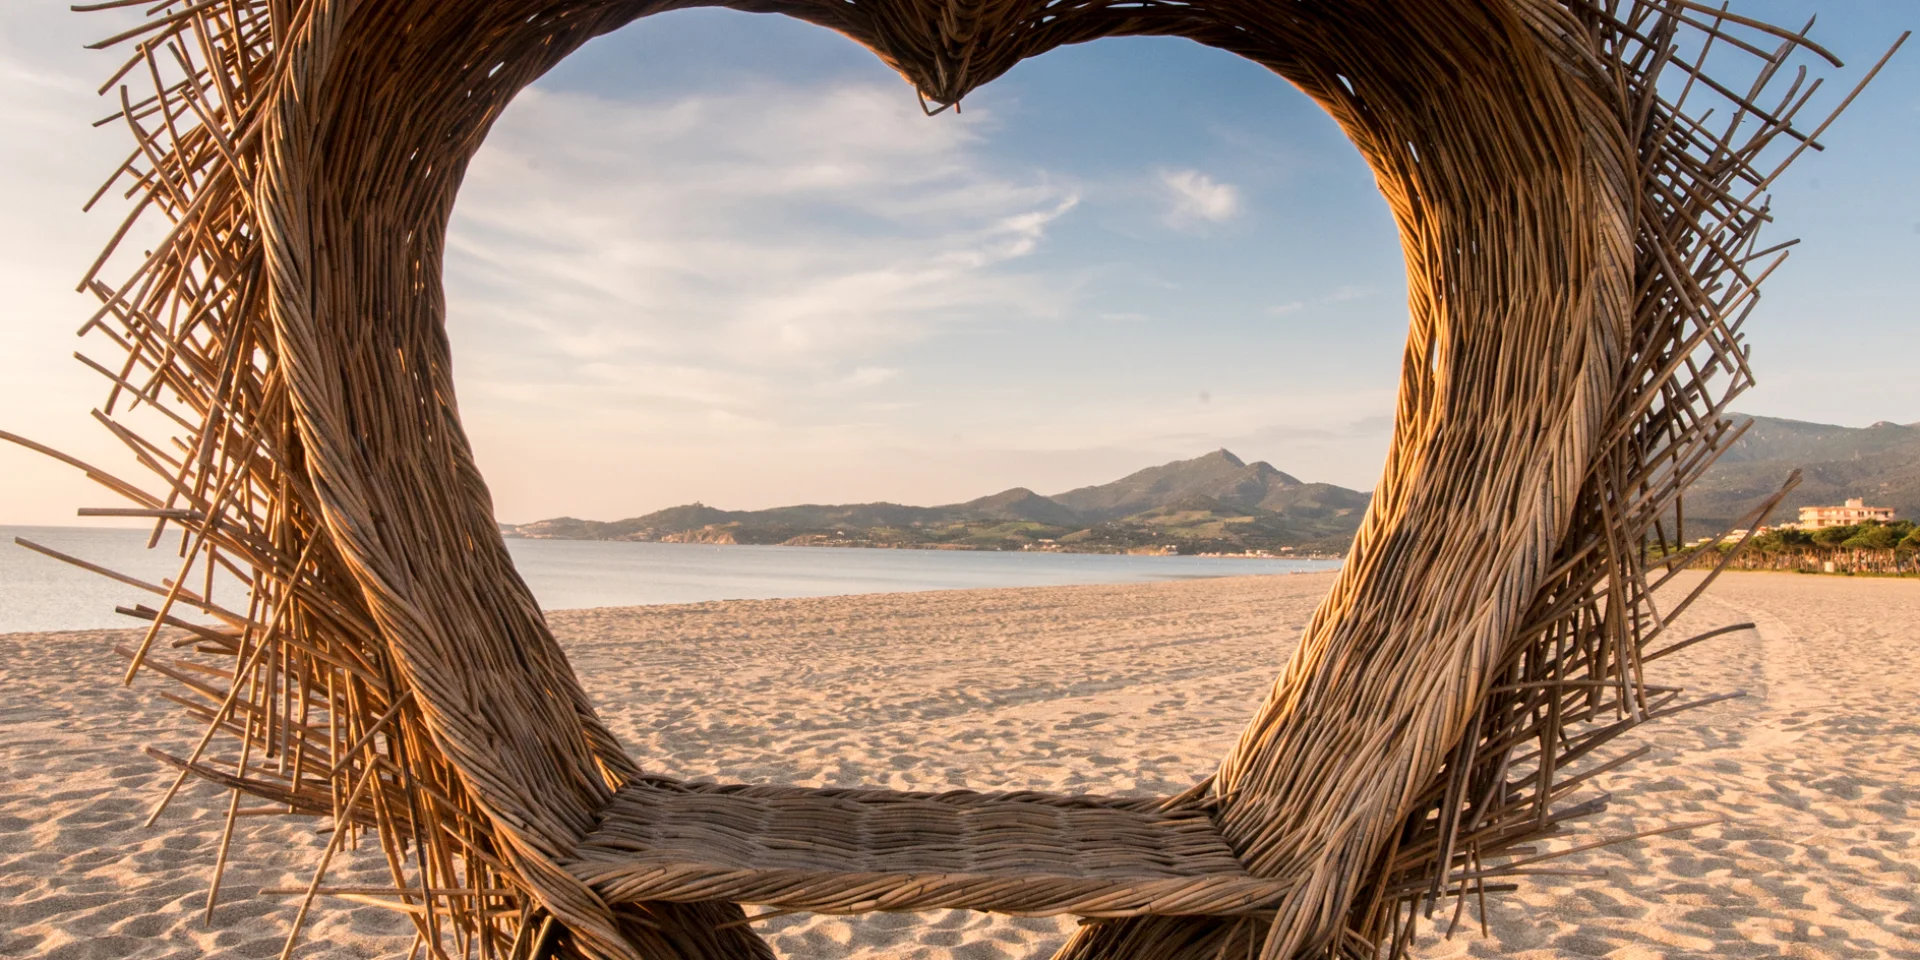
38,593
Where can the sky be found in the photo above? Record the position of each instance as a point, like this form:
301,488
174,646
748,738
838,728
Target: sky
724,257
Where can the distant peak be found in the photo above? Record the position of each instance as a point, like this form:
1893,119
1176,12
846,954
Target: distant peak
1007,497
1012,493
1266,469
1224,454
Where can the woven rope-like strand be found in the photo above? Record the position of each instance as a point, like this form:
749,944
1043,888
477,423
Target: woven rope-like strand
1580,253
842,850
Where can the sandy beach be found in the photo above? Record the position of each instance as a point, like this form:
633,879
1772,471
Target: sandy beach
1134,689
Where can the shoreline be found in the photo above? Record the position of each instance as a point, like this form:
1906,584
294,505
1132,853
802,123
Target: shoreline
45,594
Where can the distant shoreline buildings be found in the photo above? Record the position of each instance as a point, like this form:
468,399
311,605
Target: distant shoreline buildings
1852,513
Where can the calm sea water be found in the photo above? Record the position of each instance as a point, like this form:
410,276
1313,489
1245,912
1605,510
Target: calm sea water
39,593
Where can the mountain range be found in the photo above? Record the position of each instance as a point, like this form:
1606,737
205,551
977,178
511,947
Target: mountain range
1220,503
1211,503
1879,464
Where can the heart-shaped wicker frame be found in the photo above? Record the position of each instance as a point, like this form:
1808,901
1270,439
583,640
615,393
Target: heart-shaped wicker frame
1580,252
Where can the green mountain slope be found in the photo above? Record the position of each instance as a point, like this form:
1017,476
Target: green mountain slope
1220,503
1879,463
1213,503
1019,503
1219,475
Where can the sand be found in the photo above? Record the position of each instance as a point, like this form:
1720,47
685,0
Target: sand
1113,689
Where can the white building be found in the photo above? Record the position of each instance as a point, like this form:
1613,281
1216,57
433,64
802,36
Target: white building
1855,511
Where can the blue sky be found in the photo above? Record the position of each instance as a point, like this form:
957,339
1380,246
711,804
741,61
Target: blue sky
723,257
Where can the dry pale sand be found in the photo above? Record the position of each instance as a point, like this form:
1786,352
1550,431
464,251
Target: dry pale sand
1121,689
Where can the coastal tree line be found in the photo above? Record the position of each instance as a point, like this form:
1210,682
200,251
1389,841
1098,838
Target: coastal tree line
1869,547
1868,535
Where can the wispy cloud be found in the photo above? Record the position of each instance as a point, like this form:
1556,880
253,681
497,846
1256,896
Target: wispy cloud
756,231
736,267
1194,197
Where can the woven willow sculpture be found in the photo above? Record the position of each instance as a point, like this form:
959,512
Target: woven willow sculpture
1580,251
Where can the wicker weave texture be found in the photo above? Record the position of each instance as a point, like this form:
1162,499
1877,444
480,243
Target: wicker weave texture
1581,248
852,851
